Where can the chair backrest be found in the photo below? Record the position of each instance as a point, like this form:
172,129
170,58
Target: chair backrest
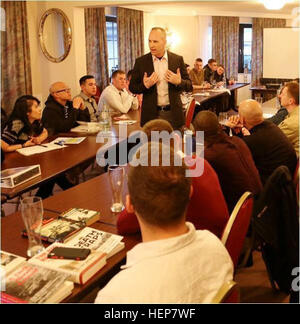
190,113
236,228
228,293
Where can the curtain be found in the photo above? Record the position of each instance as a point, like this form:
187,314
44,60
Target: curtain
258,25
130,37
15,55
225,43
96,45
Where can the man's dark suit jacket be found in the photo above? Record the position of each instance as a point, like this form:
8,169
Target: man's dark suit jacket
149,107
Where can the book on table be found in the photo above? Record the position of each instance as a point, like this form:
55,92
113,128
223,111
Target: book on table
81,215
67,224
30,283
80,271
13,177
91,238
9,262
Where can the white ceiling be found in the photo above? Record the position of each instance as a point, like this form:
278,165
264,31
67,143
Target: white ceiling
166,7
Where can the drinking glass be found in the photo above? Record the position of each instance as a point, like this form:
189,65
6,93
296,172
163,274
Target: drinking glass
32,214
116,176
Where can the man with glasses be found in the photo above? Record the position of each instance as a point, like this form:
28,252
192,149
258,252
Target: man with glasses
60,113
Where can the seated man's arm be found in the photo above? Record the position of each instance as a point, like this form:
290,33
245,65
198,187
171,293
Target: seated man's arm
114,100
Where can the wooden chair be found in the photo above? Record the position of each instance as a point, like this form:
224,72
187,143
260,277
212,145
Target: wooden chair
190,113
228,293
237,226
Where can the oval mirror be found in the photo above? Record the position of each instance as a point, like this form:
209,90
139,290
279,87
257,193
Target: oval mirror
55,35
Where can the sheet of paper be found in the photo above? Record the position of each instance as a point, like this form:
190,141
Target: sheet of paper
68,140
37,149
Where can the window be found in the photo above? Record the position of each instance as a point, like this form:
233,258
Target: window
245,44
112,44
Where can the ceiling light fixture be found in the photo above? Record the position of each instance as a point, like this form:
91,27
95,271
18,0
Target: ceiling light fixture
274,4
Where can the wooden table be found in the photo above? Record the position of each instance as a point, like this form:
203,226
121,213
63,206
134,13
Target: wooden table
55,163
213,94
94,194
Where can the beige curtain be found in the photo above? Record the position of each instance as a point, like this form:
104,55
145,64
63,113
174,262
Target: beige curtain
258,25
225,43
15,55
130,37
96,45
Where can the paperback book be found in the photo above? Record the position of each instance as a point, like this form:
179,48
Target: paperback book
30,283
80,271
91,238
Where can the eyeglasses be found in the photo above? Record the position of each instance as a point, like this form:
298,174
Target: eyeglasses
63,90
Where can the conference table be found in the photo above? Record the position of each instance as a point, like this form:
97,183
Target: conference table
57,162
94,194
204,95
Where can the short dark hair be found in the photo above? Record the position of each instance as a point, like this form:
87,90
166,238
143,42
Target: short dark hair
115,73
129,74
293,90
84,78
198,59
157,125
159,194
211,61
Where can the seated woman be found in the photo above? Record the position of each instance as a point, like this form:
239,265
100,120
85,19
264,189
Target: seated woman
230,157
23,127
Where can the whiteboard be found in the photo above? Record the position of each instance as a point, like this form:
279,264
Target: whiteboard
281,53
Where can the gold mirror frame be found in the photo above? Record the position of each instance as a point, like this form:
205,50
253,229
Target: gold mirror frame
68,35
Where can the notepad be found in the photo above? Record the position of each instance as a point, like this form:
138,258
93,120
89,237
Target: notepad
37,149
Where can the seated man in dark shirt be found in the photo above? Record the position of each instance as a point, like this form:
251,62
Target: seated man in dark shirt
230,157
60,113
269,146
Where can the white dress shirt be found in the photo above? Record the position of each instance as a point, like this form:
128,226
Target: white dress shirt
117,100
189,268
161,67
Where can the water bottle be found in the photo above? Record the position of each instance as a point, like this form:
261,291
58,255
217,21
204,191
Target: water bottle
105,119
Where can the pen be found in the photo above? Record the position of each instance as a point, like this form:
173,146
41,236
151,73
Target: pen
59,143
42,145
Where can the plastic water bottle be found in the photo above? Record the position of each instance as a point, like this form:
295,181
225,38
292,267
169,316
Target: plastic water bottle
105,119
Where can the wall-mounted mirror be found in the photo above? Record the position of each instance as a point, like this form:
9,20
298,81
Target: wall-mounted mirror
55,35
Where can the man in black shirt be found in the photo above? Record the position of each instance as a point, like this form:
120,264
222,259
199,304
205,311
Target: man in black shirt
60,113
269,146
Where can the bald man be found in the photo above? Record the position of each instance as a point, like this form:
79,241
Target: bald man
60,113
160,76
270,148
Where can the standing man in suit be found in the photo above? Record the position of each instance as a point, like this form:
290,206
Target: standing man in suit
160,76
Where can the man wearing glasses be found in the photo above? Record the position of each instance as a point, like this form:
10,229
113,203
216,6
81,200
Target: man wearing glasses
60,113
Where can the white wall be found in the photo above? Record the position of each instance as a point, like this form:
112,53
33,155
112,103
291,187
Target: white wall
185,28
44,72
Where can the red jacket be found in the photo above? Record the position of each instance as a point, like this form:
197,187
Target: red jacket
207,208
